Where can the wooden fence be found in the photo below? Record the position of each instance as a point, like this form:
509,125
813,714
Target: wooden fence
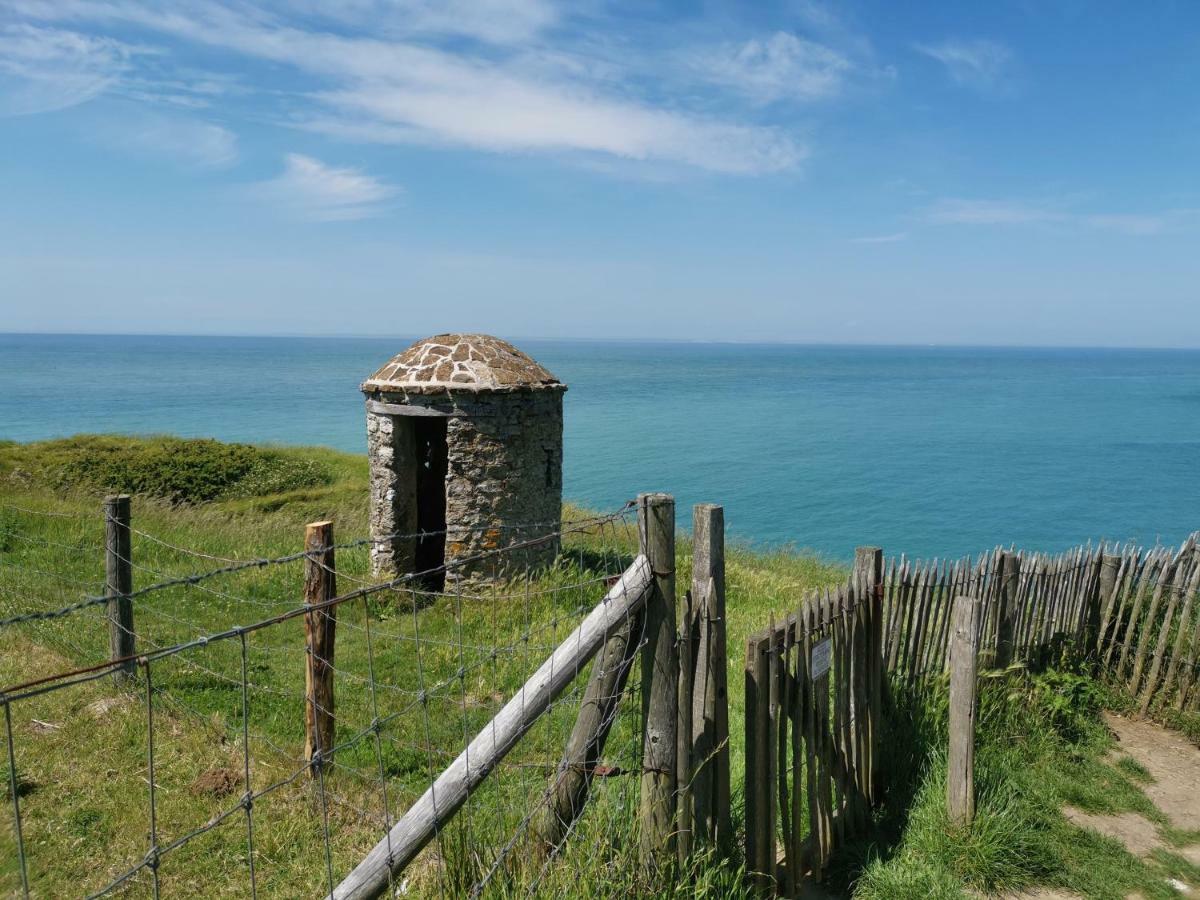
814,698
1131,612
815,682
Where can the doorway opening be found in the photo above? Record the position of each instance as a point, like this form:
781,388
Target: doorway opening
431,456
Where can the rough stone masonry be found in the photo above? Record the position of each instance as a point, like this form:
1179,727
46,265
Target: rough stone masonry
502,415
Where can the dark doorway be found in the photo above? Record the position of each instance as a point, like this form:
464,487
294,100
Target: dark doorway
430,433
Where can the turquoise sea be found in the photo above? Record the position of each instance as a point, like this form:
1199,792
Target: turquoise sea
931,451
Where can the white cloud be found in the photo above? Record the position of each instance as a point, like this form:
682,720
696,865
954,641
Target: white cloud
186,142
503,114
1000,213
981,64
493,21
780,67
402,91
47,69
177,87
881,238
311,190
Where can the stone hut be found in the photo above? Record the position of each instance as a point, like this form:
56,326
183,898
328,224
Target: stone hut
464,435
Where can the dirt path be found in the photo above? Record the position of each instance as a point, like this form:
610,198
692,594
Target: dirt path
1173,763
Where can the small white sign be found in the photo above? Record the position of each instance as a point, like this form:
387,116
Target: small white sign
822,654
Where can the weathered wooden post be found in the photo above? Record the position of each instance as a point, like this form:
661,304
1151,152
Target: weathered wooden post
757,784
320,627
710,700
964,650
1006,612
868,568
660,677
684,764
1110,570
118,584
760,815
430,813
597,712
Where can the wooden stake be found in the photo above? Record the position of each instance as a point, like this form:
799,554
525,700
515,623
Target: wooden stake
1006,613
372,876
710,701
683,729
320,630
118,571
960,783
660,677
597,713
1180,587
757,786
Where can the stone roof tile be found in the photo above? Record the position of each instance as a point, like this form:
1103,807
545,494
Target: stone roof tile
469,362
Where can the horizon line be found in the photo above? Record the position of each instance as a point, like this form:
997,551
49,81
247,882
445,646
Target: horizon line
749,342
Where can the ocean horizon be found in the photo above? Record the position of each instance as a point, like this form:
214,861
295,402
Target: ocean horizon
932,451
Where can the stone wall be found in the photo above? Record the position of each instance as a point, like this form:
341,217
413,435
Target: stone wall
504,469
392,501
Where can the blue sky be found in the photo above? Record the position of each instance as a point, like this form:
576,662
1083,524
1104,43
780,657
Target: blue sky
1011,172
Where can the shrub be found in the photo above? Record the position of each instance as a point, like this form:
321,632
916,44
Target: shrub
178,470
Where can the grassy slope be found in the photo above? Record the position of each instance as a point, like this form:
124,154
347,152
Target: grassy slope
197,708
83,767
1041,745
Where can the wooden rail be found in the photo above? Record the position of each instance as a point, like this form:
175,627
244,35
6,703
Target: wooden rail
449,791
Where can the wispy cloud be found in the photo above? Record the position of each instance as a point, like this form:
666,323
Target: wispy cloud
311,190
779,67
157,83
491,21
955,211
395,88
880,238
984,65
185,142
47,69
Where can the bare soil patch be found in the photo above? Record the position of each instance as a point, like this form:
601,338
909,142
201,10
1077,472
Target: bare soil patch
1172,761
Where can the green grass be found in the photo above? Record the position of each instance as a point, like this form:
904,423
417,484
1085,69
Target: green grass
85,770
1033,758
1134,769
81,752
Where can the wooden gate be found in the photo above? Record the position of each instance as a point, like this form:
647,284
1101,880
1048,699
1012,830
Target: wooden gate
814,690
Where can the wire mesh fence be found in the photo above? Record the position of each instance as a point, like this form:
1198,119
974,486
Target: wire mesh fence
192,777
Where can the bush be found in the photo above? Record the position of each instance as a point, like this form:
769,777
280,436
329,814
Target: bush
1064,703
175,469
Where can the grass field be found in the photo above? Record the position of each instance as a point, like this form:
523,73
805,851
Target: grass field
81,753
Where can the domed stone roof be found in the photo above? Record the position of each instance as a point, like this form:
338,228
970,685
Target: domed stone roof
470,362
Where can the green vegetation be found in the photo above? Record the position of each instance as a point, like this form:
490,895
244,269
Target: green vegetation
173,469
1036,754
81,751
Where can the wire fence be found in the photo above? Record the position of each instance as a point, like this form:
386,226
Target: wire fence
191,777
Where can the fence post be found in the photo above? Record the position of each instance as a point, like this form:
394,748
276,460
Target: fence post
868,566
320,627
710,700
118,584
569,786
660,676
684,763
964,650
1006,613
760,820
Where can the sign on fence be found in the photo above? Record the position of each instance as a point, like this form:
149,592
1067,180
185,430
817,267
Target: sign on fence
822,653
